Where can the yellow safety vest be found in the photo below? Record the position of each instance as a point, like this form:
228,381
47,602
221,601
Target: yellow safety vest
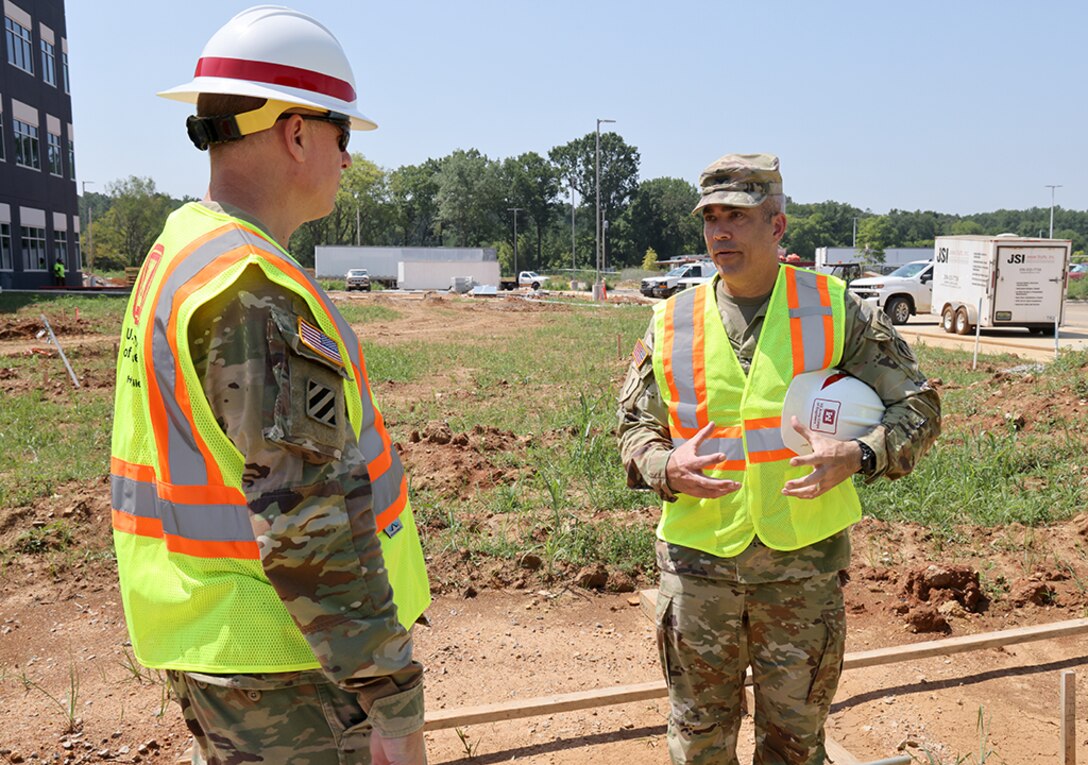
802,332
195,595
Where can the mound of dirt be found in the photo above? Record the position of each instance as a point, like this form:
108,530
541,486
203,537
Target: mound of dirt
457,463
27,328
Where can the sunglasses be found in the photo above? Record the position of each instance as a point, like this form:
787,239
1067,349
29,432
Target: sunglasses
341,121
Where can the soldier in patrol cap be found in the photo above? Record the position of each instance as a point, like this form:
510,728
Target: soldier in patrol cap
753,537
267,553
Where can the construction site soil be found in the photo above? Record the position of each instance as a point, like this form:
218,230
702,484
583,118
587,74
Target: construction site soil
70,691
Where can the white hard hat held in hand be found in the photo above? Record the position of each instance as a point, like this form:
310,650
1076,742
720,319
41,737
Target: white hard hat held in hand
831,403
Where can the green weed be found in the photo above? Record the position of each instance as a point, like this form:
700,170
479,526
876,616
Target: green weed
68,705
51,536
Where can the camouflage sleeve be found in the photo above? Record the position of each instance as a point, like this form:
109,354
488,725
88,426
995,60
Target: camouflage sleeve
305,480
643,431
874,352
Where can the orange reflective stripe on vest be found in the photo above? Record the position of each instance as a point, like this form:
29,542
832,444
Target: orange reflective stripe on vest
811,322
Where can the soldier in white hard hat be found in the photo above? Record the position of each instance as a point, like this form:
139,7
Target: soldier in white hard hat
753,533
267,552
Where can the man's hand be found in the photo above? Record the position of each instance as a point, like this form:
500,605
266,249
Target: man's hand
684,471
403,750
832,462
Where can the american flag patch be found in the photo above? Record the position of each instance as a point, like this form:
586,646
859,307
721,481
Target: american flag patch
640,353
318,342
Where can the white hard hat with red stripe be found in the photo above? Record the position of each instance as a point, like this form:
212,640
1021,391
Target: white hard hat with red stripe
832,403
276,53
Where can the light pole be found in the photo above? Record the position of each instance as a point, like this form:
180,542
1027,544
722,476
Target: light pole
515,210
573,260
1052,186
597,216
90,220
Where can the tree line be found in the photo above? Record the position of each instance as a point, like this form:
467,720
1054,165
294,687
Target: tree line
467,199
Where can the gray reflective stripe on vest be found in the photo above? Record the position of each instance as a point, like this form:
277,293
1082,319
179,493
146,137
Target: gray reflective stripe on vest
765,440
732,448
203,522
683,358
811,313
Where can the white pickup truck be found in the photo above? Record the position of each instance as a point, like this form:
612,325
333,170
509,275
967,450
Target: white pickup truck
530,279
905,292
670,283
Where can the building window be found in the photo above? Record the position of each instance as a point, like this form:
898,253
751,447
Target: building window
60,246
19,48
71,159
3,157
56,164
77,264
49,63
26,145
64,71
33,248
5,247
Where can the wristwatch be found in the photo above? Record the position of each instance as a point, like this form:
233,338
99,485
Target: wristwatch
868,458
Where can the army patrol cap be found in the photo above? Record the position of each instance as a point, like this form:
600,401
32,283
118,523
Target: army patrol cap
739,180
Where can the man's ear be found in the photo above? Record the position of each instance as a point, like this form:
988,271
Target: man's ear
291,132
779,226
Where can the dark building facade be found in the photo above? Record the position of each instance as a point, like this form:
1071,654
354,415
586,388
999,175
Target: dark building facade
39,213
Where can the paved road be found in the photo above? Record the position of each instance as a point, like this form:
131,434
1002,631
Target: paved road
926,329
1074,335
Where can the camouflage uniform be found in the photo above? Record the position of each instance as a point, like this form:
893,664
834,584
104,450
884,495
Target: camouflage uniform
312,517
780,612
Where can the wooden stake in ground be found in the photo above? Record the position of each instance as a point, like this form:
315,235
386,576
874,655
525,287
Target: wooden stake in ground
1069,717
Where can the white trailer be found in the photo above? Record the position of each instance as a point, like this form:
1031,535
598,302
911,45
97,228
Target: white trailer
999,281
439,275
333,261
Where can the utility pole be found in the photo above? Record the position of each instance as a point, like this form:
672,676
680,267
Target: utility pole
597,216
515,210
1052,186
90,221
573,260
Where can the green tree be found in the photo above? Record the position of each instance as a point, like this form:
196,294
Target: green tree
619,177
412,191
875,234
470,198
137,212
805,234
649,260
533,185
966,228
659,216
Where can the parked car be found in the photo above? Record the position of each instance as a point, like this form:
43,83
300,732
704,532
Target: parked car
357,279
906,291
1078,271
664,286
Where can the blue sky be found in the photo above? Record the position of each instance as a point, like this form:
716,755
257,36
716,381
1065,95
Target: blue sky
958,106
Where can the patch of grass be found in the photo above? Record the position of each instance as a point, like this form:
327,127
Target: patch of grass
357,312
46,440
51,536
101,313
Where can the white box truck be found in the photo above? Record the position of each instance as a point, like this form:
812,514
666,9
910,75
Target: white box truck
1017,281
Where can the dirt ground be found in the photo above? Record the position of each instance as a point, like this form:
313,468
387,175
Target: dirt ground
513,635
